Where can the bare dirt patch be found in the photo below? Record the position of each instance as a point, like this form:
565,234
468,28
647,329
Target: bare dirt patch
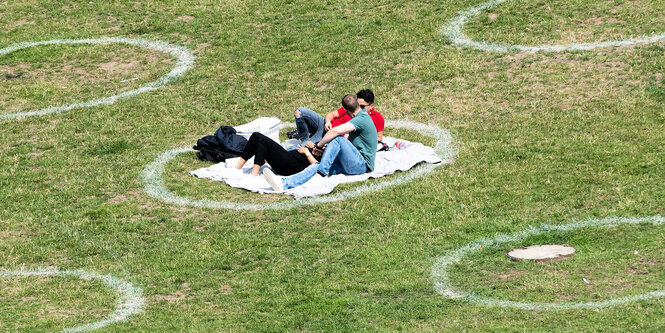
172,298
177,296
118,199
19,24
6,235
510,275
185,18
225,289
113,67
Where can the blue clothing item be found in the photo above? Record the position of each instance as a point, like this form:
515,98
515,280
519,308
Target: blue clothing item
300,177
310,125
364,137
340,156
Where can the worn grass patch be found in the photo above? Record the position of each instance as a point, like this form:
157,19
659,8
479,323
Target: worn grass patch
43,76
52,303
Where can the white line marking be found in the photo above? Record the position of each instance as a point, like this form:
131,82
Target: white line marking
153,182
442,285
129,303
185,60
453,31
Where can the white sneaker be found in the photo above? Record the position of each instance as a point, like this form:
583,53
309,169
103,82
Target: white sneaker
274,181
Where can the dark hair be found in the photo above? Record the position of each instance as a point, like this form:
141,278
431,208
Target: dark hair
350,103
367,95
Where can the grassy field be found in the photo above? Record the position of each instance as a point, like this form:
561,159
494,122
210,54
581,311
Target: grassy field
540,138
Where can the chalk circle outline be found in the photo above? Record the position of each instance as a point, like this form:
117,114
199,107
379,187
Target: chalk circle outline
453,31
151,177
184,61
443,286
129,303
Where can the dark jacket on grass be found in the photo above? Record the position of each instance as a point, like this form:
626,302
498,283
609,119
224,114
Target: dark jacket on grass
225,143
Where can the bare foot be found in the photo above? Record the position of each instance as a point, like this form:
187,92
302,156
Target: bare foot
255,170
240,163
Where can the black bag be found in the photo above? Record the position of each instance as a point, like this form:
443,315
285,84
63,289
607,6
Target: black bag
224,144
216,156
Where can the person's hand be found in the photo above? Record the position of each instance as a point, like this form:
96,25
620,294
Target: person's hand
328,126
317,151
303,150
309,144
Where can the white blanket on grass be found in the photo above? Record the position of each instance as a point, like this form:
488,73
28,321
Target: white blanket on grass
387,163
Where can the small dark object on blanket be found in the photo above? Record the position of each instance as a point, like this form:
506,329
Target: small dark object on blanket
292,134
384,147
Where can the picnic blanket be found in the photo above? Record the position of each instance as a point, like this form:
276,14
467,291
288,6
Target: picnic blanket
409,155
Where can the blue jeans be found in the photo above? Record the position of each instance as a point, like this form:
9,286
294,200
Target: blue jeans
339,157
310,125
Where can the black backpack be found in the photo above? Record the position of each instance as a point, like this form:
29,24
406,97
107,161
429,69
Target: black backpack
224,144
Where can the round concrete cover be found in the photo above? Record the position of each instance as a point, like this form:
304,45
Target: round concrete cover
542,252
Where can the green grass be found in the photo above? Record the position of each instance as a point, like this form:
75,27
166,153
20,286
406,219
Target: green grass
50,304
39,77
566,21
618,262
541,138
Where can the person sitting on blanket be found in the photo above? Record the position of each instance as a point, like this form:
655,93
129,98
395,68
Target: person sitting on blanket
352,157
312,127
265,149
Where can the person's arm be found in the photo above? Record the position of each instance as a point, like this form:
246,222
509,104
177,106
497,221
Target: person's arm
335,132
329,117
310,157
379,122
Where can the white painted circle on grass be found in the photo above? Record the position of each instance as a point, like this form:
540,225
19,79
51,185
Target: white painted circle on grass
154,183
453,31
130,299
442,284
542,252
184,61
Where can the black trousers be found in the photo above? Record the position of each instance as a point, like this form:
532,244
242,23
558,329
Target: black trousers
264,149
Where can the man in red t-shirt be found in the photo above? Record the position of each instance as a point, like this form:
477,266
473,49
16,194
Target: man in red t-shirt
311,127
366,101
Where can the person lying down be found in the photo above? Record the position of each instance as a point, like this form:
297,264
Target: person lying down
283,162
402,158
